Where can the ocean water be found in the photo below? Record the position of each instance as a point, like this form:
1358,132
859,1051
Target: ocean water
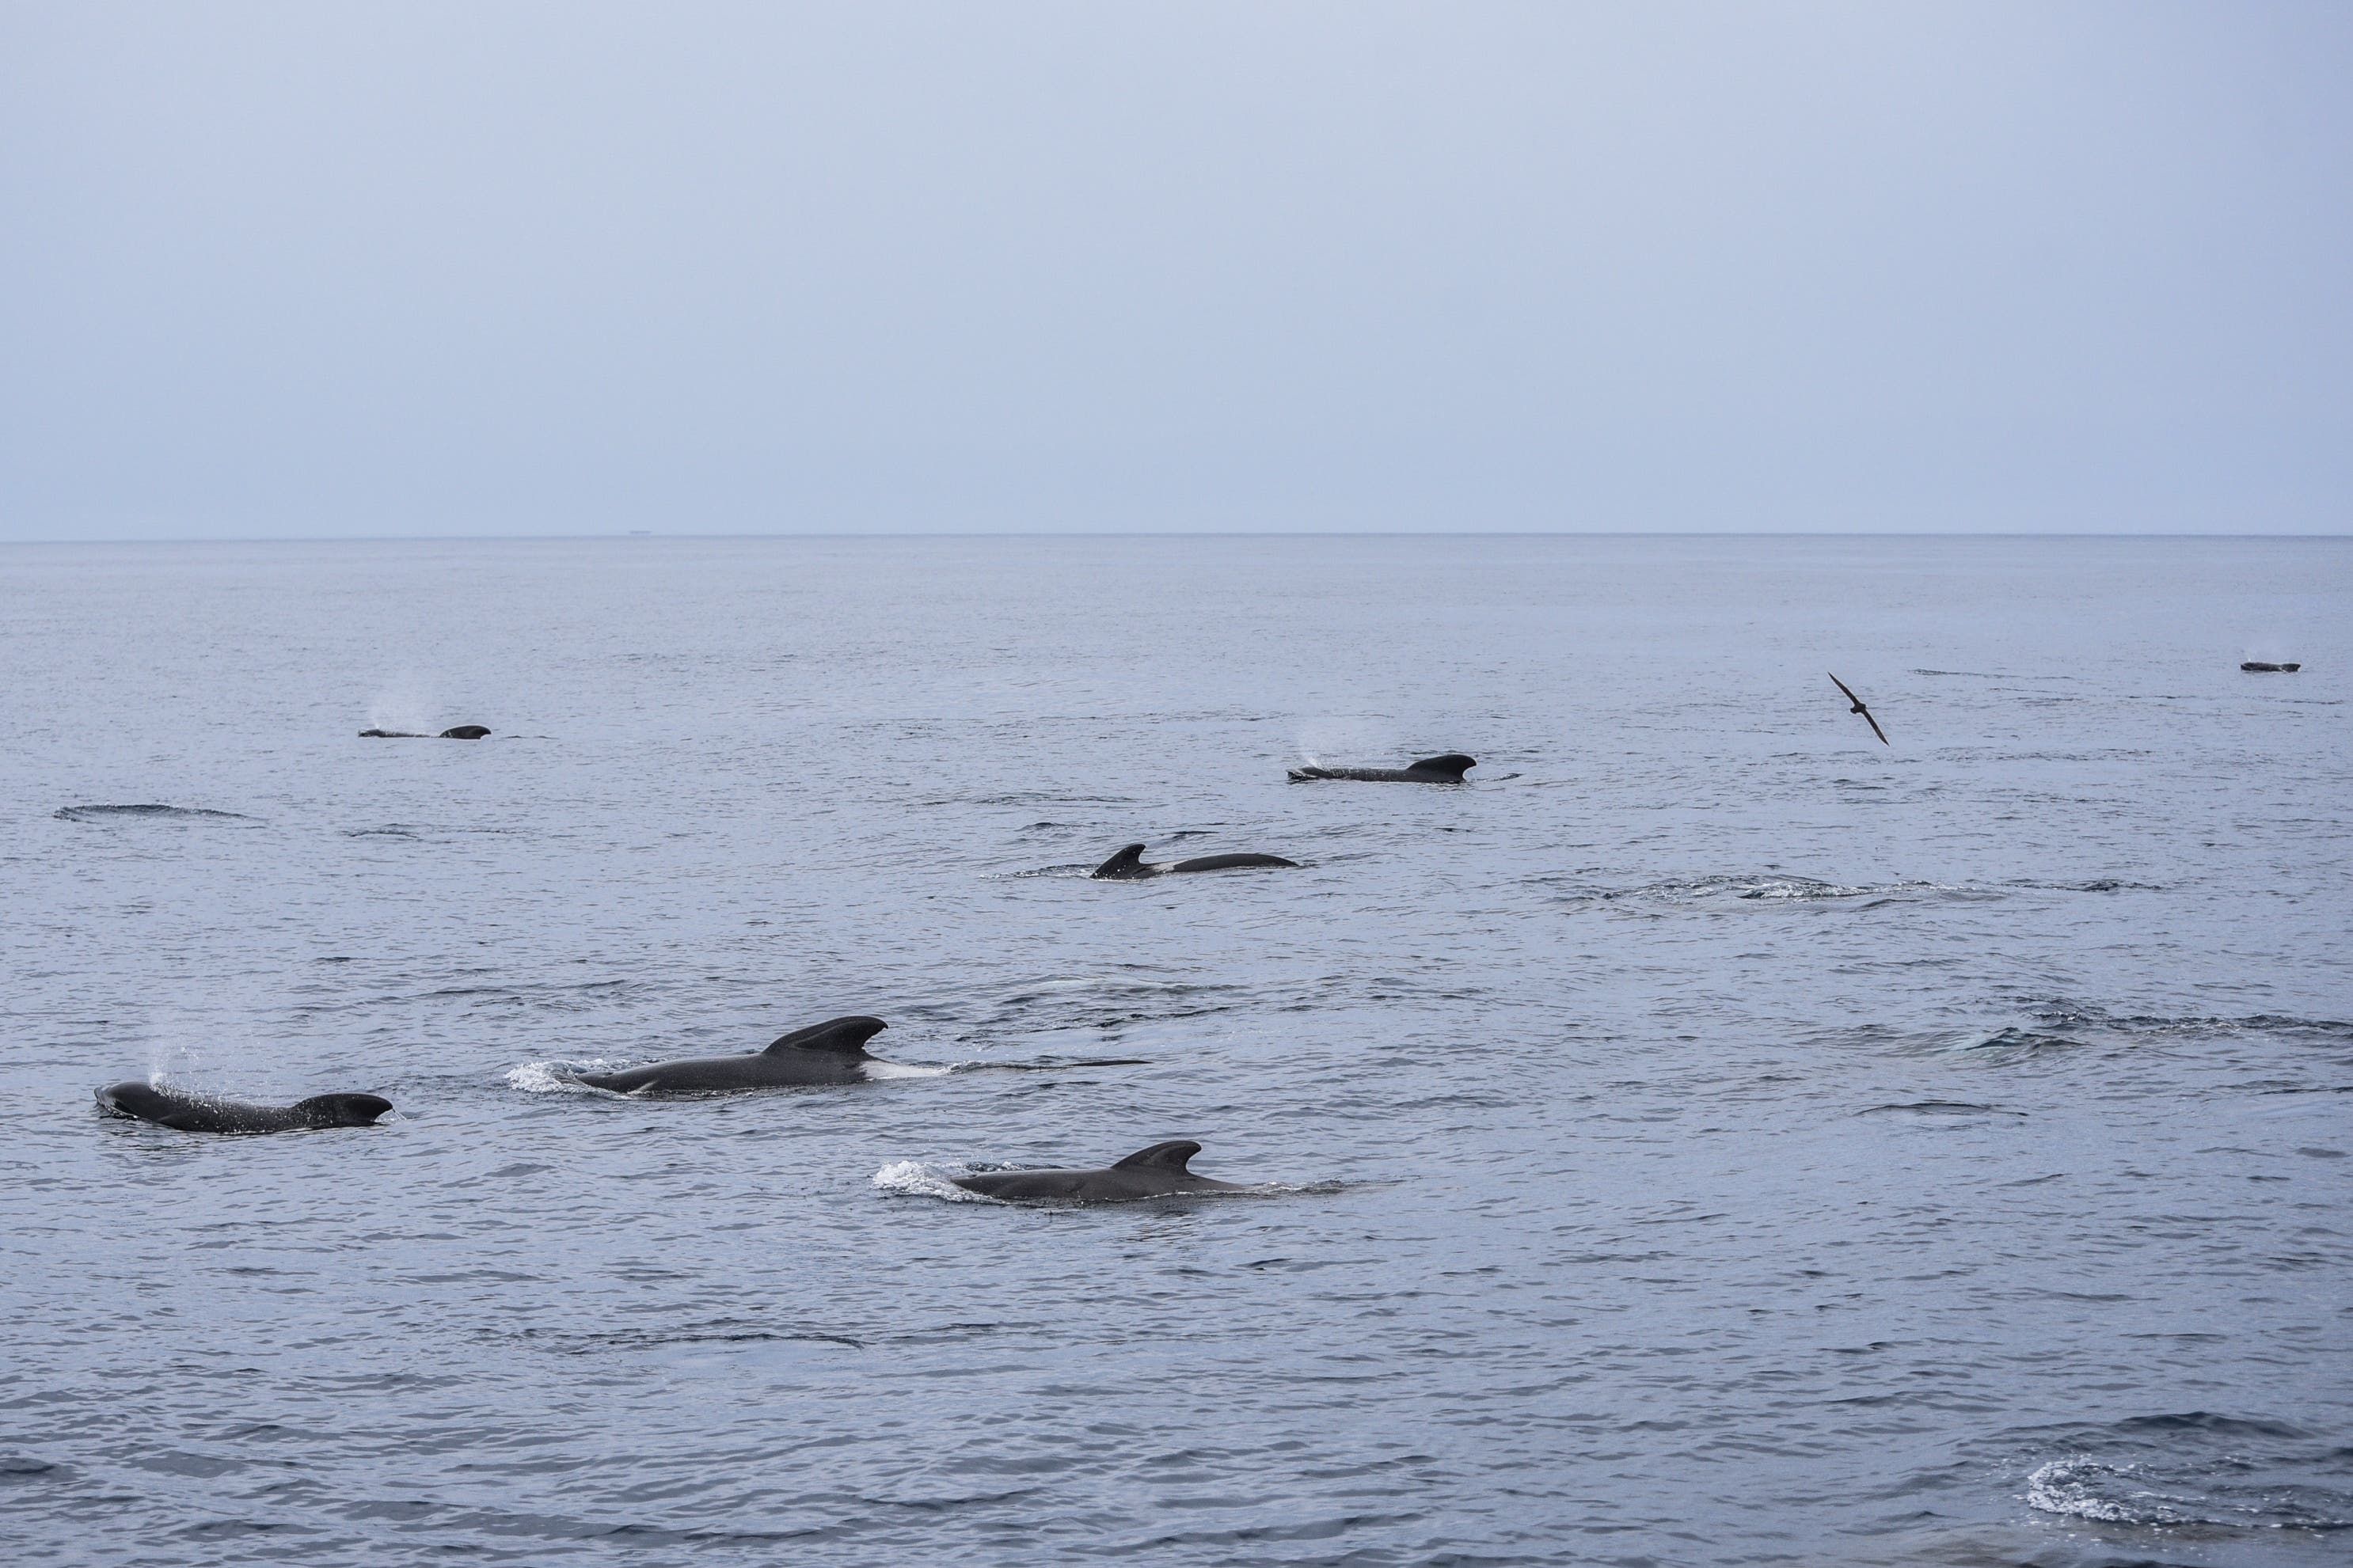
1708,1137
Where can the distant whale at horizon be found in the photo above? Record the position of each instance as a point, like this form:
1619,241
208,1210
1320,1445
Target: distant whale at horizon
1129,865
455,733
828,1053
2263,667
146,812
1446,770
1159,1172
203,1113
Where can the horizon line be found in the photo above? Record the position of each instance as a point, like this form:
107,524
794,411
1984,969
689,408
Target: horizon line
628,534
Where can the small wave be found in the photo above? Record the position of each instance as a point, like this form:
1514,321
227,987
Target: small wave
1993,675
2064,1015
914,1179
2239,1426
419,829
2073,1025
725,1333
1031,798
1940,1108
1104,1001
1112,983
879,1071
2010,1042
147,813
1758,887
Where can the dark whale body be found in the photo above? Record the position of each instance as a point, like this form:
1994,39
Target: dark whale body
830,1052
201,1113
1446,770
1155,1173
455,733
2257,665
1129,864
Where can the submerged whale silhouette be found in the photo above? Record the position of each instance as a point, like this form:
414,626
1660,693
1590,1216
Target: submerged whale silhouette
830,1052
1446,770
1129,864
1155,1173
455,733
201,1113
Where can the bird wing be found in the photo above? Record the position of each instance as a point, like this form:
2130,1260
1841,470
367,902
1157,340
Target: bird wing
1874,725
1842,685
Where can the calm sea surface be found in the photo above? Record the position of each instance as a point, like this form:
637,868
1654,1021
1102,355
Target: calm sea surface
1711,1137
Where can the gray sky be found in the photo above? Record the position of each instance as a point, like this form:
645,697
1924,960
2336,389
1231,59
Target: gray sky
324,269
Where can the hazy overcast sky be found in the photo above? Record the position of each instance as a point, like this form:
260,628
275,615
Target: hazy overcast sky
481,267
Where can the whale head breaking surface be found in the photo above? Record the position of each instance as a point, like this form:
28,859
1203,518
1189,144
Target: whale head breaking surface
203,1113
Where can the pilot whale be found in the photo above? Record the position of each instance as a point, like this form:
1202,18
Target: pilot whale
201,1113
1155,1173
455,733
1446,770
830,1052
1129,864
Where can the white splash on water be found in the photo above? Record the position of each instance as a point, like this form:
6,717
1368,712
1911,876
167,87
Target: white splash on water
914,1179
2071,1487
1360,740
405,704
877,1071
1110,981
187,1047
555,1075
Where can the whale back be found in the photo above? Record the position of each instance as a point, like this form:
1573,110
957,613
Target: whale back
1168,1156
1128,862
1453,762
342,1109
839,1037
1228,862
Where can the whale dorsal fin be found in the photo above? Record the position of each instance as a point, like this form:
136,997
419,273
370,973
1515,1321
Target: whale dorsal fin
1169,1157
843,1036
1453,762
1125,863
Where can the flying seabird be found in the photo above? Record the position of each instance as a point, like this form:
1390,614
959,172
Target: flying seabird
1859,708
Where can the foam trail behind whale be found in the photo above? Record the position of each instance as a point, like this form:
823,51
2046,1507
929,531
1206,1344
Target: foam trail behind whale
914,1179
